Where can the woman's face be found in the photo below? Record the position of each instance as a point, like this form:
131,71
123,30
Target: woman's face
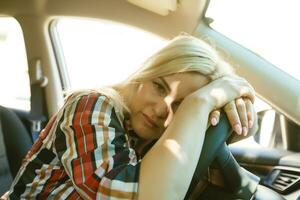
154,102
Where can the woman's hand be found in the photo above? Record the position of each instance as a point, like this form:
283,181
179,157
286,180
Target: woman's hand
235,96
224,90
240,113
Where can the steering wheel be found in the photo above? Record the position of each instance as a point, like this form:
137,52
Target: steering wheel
241,183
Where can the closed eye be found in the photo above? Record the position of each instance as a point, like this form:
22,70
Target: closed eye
159,88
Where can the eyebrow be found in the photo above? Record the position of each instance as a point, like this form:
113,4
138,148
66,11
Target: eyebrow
165,83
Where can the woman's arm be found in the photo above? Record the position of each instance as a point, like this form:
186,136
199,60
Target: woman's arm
167,169
5,196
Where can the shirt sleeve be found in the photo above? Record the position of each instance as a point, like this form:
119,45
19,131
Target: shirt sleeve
91,145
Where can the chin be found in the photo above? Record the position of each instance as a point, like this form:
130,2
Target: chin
145,133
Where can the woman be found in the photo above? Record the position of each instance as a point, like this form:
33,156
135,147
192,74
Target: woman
100,144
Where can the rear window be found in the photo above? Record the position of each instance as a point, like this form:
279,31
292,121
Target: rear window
14,78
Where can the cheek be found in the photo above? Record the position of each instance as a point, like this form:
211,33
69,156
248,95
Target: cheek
139,101
135,106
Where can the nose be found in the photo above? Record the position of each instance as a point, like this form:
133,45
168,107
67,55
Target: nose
162,109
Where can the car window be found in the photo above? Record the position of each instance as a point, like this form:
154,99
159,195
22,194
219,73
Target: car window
14,78
268,28
90,49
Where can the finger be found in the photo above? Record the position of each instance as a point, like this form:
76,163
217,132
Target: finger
233,117
250,112
214,117
248,91
242,111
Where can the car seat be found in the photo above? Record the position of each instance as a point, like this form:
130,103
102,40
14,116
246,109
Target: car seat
15,141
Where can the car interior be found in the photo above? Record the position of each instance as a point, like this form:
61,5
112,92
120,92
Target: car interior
51,48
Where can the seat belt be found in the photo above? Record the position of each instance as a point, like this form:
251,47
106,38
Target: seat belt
38,110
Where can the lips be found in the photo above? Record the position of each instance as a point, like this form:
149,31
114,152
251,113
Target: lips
149,121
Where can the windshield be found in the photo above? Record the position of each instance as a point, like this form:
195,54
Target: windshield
268,28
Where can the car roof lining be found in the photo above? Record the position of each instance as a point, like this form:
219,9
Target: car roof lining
184,19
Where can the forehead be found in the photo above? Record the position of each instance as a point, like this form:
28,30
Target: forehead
183,84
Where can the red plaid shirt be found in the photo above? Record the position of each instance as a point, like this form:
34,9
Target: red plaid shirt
83,153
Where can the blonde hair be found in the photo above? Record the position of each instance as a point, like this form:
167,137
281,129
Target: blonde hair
184,53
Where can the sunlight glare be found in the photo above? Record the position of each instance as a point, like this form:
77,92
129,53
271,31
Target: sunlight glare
176,150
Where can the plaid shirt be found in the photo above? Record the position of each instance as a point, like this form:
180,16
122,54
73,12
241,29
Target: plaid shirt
83,153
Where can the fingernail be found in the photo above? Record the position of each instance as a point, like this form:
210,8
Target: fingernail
238,129
214,121
250,123
245,130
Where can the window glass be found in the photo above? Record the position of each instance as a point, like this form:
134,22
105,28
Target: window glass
268,28
97,53
14,78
